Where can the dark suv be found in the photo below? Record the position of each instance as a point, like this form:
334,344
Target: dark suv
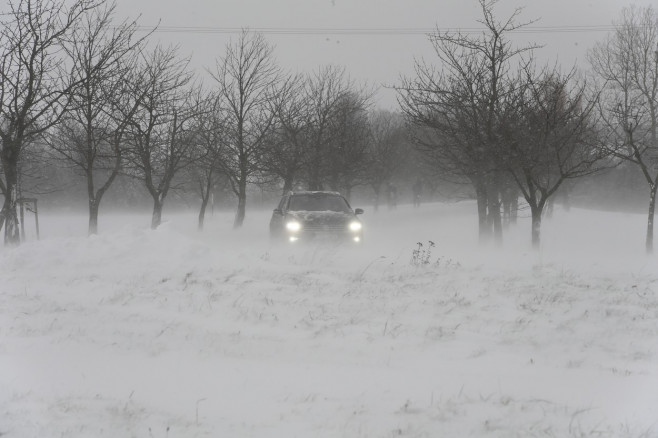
312,216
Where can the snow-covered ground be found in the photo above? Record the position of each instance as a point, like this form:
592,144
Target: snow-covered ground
175,333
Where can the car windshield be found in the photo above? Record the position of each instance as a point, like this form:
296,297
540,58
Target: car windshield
318,203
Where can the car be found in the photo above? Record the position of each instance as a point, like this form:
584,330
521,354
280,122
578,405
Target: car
315,216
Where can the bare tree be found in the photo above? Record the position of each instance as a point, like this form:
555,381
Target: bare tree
286,155
347,158
160,135
324,91
453,109
627,62
549,136
209,132
247,78
33,86
89,135
320,132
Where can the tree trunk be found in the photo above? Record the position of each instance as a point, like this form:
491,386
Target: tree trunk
202,212
495,219
652,209
9,211
483,225
95,196
206,193
156,219
242,202
536,213
507,209
94,204
493,205
515,209
21,219
12,232
550,205
287,184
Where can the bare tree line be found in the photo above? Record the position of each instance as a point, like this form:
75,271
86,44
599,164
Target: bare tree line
489,115
93,92
82,87
626,64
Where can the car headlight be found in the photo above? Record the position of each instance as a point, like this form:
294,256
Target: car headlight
293,226
355,226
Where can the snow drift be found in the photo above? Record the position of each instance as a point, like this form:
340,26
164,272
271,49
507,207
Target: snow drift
176,333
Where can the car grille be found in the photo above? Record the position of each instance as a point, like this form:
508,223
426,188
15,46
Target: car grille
324,228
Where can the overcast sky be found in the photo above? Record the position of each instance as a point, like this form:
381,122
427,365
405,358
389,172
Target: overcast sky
566,28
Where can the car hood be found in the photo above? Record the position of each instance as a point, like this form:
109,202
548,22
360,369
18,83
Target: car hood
321,217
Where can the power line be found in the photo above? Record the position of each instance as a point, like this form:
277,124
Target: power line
372,31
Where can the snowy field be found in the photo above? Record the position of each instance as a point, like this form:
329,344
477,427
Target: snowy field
174,333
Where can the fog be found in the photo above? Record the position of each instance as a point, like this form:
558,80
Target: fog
422,329
376,41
